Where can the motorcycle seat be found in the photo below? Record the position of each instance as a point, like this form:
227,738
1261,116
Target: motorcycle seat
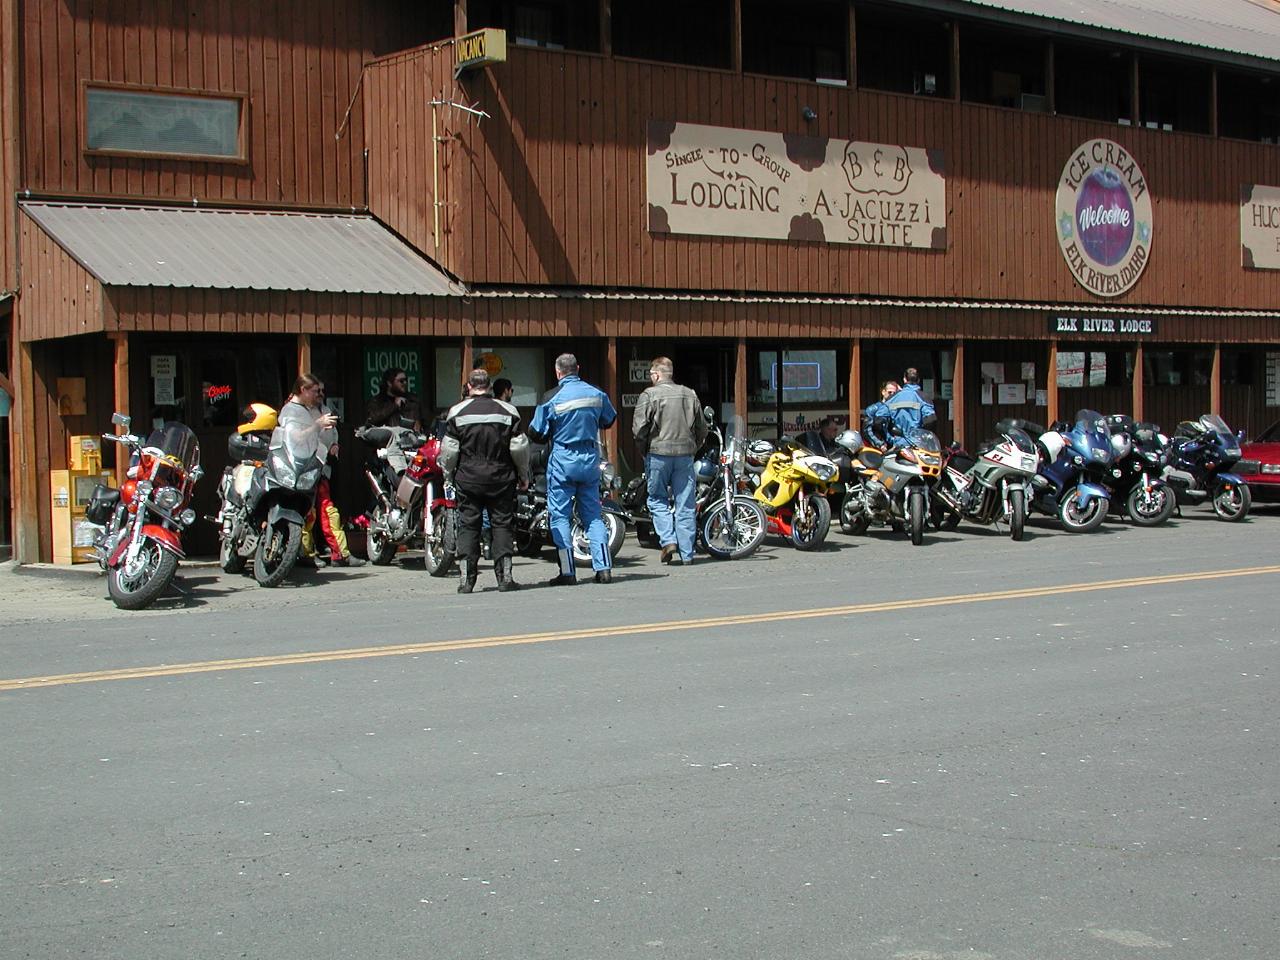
962,461
1018,423
375,436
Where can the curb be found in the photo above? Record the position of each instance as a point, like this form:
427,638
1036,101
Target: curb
80,571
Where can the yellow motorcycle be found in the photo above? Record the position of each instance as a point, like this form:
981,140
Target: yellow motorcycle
792,486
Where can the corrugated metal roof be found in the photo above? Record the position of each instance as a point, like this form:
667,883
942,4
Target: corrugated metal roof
238,249
1238,26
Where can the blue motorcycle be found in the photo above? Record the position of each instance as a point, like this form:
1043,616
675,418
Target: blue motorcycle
1073,462
1200,454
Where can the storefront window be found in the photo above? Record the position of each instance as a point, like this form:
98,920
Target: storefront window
1094,368
525,367
1177,368
219,405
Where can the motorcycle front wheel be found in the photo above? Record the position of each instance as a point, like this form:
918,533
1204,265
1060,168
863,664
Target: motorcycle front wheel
1149,511
379,547
440,549
810,535
916,515
135,586
735,529
229,558
1232,504
278,549
1077,519
615,532
1017,513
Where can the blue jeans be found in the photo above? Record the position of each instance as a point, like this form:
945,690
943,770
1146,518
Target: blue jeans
672,512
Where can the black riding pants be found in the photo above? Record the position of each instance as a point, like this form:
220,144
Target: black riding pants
501,504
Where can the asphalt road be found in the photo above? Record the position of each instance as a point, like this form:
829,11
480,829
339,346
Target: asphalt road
1061,749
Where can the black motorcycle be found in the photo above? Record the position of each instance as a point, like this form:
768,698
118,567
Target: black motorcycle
1201,453
1136,477
531,524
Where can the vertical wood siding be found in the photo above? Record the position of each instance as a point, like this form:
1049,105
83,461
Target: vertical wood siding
297,60
551,189
60,298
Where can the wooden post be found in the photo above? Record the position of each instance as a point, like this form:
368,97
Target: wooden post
467,360
1137,381
120,387
851,61
955,60
304,353
611,388
735,36
459,17
1050,73
1051,384
606,28
1215,381
855,381
740,384
1134,90
26,477
1213,101
957,394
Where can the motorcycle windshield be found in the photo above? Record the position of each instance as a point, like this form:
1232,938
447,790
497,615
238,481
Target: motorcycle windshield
1212,423
1021,440
1090,436
294,451
176,443
924,440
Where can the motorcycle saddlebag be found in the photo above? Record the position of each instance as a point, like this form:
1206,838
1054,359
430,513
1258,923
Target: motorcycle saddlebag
102,503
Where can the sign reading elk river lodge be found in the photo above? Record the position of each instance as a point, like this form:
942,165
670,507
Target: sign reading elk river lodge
717,181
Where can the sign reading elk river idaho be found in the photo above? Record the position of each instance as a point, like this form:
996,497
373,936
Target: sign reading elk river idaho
724,182
1104,218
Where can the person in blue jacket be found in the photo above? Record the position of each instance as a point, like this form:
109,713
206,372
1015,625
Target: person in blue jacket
570,419
901,411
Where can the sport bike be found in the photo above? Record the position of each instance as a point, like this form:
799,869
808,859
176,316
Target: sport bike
891,486
792,487
992,485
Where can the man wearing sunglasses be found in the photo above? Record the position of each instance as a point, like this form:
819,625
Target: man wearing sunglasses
393,405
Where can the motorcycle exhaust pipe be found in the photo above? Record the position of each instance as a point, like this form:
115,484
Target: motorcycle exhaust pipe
377,491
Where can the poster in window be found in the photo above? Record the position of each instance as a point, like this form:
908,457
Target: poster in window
993,372
1070,368
1012,393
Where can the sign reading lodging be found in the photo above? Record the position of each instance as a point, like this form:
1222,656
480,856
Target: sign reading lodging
742,183
1104,218
478,48
1260,227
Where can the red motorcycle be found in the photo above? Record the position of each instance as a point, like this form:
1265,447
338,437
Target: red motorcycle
141,542
412,505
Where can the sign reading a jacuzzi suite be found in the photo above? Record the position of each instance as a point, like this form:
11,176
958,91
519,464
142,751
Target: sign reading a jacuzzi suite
1104,218
1260,227
718,181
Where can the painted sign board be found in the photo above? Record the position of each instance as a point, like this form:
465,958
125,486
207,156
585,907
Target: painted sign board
1104,326
720,181
1103,213
1260,227
479,47
384,357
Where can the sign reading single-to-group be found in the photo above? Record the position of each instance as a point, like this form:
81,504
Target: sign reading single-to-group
718,181
1260,227
1104,218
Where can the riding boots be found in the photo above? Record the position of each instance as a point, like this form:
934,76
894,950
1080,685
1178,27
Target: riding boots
469,573
502,570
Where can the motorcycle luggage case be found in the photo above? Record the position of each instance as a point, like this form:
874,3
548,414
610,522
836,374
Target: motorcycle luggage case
102,503
247,448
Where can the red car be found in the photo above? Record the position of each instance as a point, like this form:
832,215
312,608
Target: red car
1259,465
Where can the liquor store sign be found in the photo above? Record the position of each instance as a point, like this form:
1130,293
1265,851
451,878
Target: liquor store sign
718,181
1104,218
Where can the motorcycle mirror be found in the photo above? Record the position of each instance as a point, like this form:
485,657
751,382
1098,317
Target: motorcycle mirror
120,419
709,413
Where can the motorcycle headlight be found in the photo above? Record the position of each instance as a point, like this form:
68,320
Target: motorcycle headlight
168,498
187,517
1098,453
825,471
1029,463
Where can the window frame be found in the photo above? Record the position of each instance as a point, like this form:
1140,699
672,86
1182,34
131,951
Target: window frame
242,107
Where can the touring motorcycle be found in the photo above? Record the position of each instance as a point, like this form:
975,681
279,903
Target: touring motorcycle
1201,453
891,486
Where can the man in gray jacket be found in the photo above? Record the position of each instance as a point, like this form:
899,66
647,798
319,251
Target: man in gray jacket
669,426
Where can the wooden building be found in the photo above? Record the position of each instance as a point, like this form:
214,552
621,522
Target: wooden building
794,203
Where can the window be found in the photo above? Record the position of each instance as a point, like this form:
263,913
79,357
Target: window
1093,82
1002,68
807,376
1174,95
1177,368
1094,368
1249,107
554,24
903,52
809,42
674,31
190,124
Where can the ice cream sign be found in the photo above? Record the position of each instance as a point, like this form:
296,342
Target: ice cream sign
1104,218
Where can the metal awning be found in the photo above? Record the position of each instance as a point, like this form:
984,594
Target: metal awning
238,249
1244,28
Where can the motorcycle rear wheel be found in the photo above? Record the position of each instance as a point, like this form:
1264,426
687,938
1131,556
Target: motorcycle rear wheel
156,569
916,515
819,524
379,548
852,520
734,530
1077,520
1153,513
229,558
441,548
615,530
278,549
1017,513
1232,505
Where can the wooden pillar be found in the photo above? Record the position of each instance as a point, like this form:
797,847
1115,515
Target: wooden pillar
1051,384
957,395
851,58
120,388
611,388
740,384
304,353
955,60
735,36
855,382
468,360
459,17
1137,381
1134,90
1215,381
606,27
1050,75
1213,101
26,475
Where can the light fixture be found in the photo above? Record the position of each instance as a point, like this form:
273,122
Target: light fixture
809,114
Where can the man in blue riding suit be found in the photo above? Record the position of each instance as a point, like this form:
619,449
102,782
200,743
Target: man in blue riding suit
570,420
902,411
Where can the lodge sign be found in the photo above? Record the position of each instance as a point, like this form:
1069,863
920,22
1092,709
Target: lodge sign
478,48
1103,326
719,181
1103,212
1260,227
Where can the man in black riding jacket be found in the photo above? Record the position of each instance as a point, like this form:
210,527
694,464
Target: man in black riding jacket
485,454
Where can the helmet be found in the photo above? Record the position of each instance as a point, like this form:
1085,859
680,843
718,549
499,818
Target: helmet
759,452
850,440
257,416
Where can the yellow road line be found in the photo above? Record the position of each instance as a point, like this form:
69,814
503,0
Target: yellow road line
445,646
